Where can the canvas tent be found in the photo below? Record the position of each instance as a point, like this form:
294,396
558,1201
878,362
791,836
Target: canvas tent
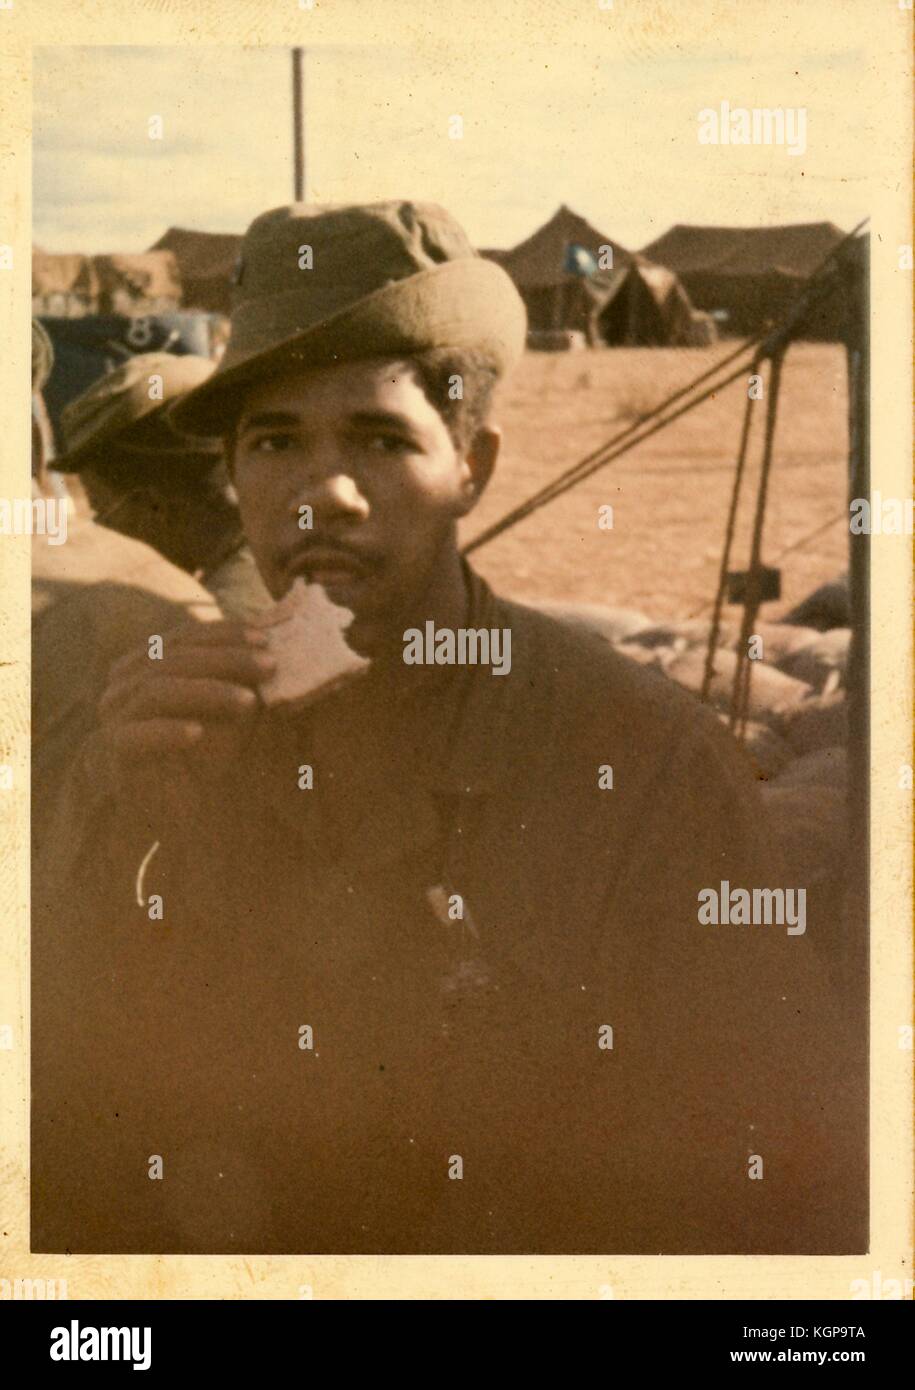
749,276
148,280
554,297
645,305
63,285
72,285
538,261
621,299
206,262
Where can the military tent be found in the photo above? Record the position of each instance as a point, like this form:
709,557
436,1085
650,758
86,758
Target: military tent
69,286
206,262
63,285
645,305
148,282
555,297
608,293
749,276
540,259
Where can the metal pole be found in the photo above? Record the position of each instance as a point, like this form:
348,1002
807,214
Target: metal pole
298,123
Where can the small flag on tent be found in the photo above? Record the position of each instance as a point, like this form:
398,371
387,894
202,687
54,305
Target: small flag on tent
579,260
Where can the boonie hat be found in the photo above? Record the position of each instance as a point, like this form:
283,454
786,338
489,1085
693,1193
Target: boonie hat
129,411
321,284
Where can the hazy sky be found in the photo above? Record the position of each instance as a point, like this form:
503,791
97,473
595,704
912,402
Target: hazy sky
614,138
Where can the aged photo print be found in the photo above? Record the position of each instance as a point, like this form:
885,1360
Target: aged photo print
456,542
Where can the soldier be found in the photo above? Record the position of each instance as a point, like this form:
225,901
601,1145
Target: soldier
164,513
419,966
145,480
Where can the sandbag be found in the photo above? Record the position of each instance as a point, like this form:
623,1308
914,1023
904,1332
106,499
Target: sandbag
690,632
770,690
822,662
780,639
827,607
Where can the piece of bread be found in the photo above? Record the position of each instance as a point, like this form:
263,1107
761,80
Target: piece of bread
305,632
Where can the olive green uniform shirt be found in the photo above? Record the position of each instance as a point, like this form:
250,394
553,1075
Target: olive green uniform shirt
454,996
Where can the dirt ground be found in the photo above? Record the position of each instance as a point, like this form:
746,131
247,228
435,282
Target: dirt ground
669,496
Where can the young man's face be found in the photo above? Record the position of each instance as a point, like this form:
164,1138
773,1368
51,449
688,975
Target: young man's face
361,446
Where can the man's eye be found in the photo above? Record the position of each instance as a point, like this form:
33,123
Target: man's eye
389,444
271,443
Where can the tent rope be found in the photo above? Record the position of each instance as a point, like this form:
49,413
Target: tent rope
813,290
740,697
608,453
771,348
614,448
730,527
788,550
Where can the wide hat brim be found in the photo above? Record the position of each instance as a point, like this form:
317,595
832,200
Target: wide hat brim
122,444
469,303
118,412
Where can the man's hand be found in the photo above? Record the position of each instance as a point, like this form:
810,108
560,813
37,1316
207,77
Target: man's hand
199,698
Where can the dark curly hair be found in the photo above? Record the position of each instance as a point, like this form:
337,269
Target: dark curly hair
477,376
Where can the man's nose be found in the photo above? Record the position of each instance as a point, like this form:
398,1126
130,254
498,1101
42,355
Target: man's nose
333,492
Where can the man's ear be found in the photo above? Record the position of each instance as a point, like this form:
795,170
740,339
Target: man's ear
478,464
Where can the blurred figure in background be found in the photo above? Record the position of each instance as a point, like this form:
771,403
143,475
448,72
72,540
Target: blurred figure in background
165,547
145,480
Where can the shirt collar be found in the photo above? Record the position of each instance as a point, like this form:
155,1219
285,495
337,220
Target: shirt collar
468,734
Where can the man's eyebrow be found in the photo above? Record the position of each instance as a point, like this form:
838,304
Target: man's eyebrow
382,417
285,419
268,419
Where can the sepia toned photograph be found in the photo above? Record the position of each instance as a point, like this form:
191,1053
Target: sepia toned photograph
453,537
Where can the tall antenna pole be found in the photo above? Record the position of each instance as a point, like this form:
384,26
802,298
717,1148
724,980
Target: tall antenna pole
298,123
